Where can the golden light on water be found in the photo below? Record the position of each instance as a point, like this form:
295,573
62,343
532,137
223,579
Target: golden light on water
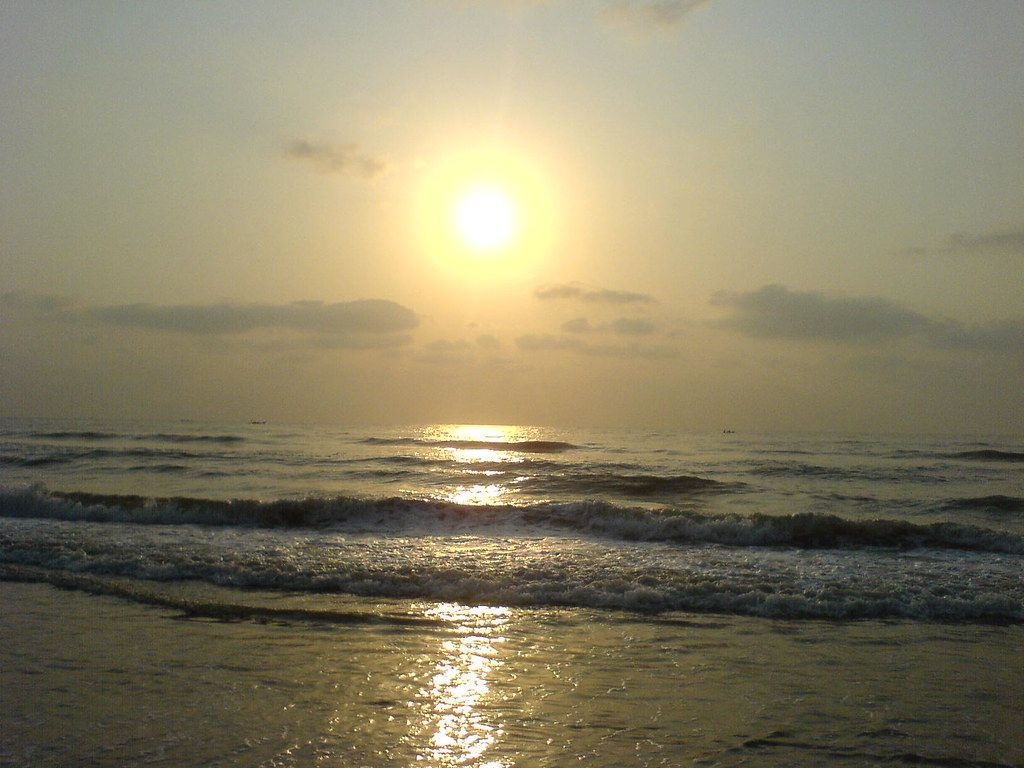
458,693
490,493
482,437
483,433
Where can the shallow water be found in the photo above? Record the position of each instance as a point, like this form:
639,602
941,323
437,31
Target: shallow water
126,684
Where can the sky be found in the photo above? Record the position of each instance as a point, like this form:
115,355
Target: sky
687,215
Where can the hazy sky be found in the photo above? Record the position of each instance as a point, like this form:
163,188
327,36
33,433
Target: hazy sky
754,215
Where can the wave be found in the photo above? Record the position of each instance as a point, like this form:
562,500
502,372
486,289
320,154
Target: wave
33,461
162,469
989,454
165,437
871,474
518,446
145,566
588,483
195,608
980,454
998,503
71,455
595,518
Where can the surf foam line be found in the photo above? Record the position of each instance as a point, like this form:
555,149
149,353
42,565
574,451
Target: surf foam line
110,587
597,518
835,585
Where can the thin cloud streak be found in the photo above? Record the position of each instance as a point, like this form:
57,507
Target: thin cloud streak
576,345
365,316
625,326
593,296
343,159
362,317
1007,242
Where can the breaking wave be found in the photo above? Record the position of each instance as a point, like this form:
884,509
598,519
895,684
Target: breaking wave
597,518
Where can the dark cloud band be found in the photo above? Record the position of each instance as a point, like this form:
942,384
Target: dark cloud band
779,313
372,316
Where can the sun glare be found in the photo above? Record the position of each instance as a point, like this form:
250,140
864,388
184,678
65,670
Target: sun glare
484,213
486,217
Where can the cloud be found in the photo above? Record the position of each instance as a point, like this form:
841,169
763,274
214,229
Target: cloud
594,296
998,336
642,18
633,326
626,326
24,304
443,351
488,342
631,351
369,316
344,158
351,319
1006,242
776,312
547,343
322,343
538,342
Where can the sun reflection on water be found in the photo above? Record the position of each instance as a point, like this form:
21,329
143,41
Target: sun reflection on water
478,494
483,444
457,696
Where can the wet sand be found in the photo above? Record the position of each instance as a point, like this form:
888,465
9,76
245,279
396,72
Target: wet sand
105,681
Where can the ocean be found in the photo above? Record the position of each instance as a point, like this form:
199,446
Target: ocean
262,594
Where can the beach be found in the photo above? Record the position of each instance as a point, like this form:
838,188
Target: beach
103,681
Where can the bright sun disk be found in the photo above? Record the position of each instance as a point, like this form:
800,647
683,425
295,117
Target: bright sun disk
486,217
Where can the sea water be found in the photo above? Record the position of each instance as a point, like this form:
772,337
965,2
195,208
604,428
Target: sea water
466,595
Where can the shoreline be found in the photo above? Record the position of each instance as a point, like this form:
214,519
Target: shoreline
123,683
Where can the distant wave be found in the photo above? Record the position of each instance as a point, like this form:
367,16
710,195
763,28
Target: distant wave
803,531
872,474
587,483
997,503
32,461
166,437
163,469
522,446
983,454
72,454
989,454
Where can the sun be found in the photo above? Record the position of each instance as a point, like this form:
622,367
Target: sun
484,214
486,217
